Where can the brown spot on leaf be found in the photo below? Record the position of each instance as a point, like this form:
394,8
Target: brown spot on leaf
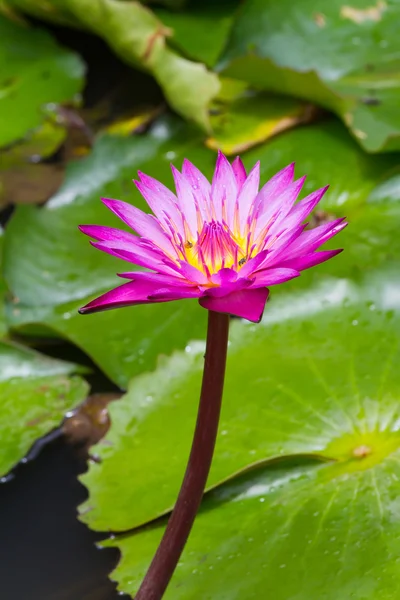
37,420
160,33
360,15
362,451
319,19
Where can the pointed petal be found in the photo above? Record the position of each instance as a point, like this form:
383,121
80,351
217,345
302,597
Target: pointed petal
162,278
186,201
247,195
239,171
145,225
310,260
161,200
192,274
137,256
301,210
274,276
201,188
312,239
137,292
248,304
274,211
224,190
275,186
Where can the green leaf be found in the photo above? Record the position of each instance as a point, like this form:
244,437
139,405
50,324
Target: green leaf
307,533
36,392
3,289
67,271
36,75
343,56
242,118
140,39
200,30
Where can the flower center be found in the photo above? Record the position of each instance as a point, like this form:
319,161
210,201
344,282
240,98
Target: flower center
216,248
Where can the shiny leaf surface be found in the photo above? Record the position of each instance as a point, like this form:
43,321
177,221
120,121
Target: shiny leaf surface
36,392
342,56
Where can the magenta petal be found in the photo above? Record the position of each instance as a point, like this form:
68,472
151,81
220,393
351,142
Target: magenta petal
310,260
275,186
274,276
145,225
191,273
224,190
161,200
161,278
248,304
312,239
137,256
248,193
239,171
137,292
201,187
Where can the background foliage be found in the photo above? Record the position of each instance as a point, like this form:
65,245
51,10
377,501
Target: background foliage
303,497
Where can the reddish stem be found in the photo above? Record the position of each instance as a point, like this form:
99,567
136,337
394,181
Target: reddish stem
182,518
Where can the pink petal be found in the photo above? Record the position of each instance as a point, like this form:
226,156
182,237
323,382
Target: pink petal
186,201
275,210
137,292
239,171
224,276
274,276
310,260
224,190
201,188
161,201
312,239
137,256
275,186
252,265
248,304
248,194
191,273
301,211
162,278
145,225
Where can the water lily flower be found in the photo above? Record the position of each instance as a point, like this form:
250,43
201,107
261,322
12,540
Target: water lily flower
224,243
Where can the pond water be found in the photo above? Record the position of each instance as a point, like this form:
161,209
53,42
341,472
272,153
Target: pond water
47,554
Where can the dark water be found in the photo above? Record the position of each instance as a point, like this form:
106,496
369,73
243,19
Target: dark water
46,553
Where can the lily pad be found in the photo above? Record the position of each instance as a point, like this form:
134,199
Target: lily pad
306,533
242,118
135,33
36,75
344,56
36,392
201,29
67,271
3,289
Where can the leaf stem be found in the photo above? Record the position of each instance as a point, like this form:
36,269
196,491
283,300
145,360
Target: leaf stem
182,518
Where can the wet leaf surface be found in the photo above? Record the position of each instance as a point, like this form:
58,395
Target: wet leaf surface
36,392
36,75
344,56
200,31
307,533
242,118
3,289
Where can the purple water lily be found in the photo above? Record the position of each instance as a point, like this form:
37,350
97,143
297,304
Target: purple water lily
223,242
